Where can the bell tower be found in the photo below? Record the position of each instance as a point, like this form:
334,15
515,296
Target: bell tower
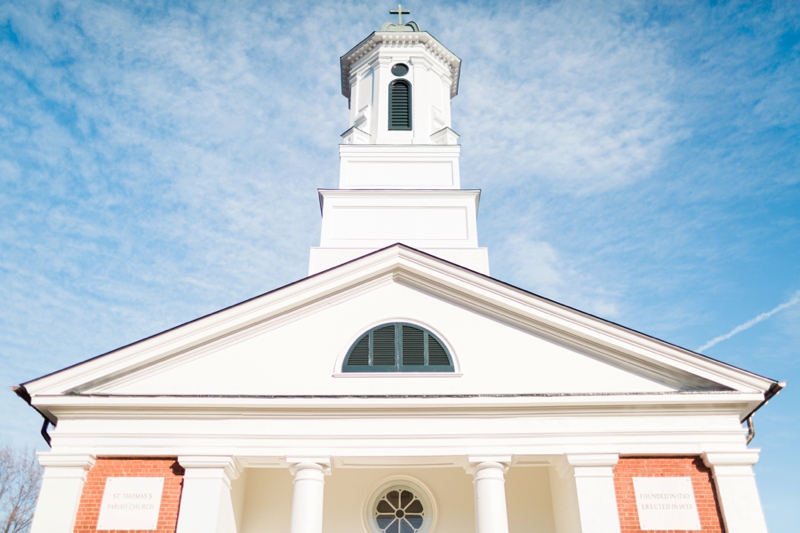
399,177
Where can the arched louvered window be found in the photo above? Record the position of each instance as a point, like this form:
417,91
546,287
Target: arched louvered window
399,105
398,347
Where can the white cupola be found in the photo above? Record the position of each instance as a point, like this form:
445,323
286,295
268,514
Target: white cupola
399,82
399,177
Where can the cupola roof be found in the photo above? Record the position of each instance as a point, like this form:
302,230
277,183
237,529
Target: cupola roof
408,26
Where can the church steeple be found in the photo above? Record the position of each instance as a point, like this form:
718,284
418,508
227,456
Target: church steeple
399,177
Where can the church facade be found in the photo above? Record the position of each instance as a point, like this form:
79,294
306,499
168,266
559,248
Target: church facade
399,388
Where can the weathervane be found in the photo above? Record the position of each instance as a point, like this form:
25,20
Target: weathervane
399,12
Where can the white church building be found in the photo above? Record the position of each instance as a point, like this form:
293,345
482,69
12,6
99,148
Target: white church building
399,388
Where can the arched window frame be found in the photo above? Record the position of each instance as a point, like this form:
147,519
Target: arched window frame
392,85
398,367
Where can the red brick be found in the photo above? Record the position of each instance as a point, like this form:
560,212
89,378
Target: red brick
704,491
166,467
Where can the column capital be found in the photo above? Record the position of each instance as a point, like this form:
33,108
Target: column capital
743,458
209,466
66,465
731,463
66,460
322,464
592,459
476,463
587,464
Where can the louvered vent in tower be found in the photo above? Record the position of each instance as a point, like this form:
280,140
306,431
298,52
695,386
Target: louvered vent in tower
400,105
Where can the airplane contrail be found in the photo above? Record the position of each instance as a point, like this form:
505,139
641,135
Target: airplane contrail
750,323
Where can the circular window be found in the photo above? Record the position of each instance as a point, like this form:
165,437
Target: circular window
400,507
400,69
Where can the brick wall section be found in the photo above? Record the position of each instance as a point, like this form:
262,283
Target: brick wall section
702,483
168,468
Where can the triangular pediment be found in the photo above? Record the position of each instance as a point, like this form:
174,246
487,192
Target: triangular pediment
291,342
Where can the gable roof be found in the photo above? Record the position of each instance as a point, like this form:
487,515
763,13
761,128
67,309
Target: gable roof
687,370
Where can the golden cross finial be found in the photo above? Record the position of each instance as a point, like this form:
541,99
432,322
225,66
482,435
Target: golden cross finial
399,12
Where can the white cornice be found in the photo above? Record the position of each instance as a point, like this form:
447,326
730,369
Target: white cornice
399,193
401,39
199,407
383,150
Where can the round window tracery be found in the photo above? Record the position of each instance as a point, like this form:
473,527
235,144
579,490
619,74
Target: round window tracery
399,510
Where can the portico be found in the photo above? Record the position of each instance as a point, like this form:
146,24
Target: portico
487,494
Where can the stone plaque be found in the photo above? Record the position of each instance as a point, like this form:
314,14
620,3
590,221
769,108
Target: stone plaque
131,503
666,503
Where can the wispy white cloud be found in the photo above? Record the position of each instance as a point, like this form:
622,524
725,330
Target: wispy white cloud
575,95
752,322
542,268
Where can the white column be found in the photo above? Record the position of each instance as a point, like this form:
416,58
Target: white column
593,476
736,489
491,513
60,495
308,496
206,505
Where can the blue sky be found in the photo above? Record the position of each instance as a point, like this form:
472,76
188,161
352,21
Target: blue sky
640,161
